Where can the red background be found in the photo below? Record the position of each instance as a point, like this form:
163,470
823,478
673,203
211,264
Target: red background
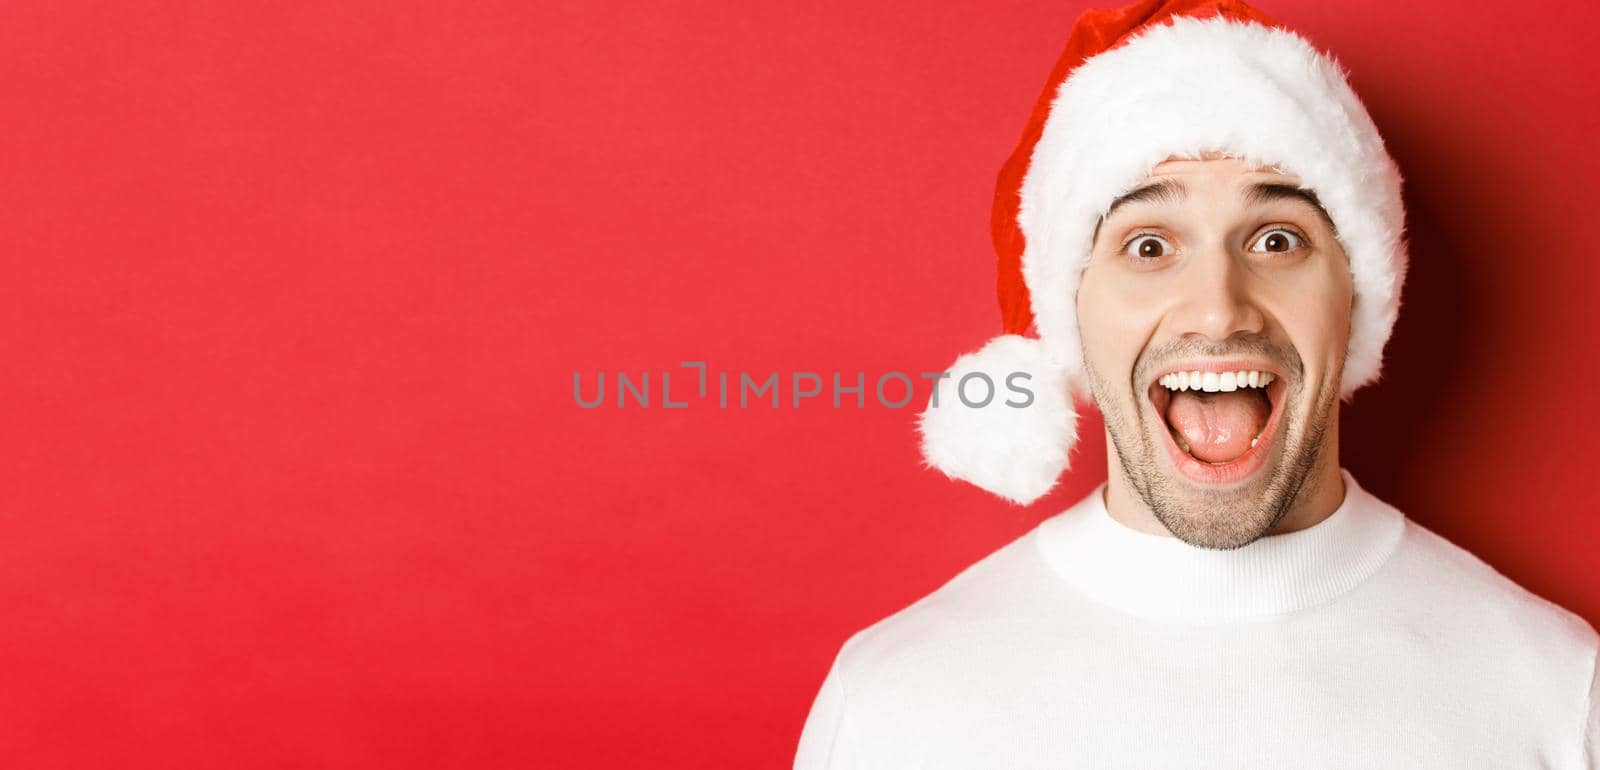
292,471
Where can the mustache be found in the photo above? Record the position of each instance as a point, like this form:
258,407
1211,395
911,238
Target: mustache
1237,346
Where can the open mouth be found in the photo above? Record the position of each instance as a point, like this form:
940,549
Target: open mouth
1219,424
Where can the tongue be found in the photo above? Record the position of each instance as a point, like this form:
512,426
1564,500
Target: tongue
1218,426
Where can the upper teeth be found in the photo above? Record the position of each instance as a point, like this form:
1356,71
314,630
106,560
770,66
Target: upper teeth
1212,382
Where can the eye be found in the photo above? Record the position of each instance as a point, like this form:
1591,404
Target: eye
1277,241
1146,247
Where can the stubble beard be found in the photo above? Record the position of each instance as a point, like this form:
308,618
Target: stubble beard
1220,519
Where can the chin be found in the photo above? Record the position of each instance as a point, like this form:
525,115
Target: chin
1221,525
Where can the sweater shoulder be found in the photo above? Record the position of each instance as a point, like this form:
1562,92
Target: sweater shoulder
1493,603
1000,590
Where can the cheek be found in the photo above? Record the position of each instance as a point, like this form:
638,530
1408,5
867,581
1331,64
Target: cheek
1114,320
1316,313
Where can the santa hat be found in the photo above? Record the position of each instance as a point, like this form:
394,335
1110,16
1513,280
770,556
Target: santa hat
1136,86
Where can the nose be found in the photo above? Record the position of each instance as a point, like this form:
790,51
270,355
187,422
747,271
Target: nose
1214,298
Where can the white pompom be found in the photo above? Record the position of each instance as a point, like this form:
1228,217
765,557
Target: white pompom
1016,444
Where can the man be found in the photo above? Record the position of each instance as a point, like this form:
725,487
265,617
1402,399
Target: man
1204,227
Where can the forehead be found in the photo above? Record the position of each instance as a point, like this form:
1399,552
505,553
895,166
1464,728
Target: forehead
1221,167
1214,185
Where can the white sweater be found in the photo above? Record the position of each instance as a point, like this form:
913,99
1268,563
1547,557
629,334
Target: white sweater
1366,641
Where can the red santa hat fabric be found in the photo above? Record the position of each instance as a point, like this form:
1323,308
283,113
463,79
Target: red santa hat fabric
1136,86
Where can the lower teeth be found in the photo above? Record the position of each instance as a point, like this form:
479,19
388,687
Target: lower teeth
1184,445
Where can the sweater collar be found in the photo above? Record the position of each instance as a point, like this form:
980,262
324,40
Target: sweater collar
1163,578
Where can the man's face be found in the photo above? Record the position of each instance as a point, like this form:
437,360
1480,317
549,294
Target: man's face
1211,266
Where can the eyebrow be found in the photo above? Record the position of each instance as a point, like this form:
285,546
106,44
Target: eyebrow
1271,192
1172,192
1168,191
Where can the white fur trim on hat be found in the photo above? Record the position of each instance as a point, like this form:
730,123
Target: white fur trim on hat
1014,445
1214,85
